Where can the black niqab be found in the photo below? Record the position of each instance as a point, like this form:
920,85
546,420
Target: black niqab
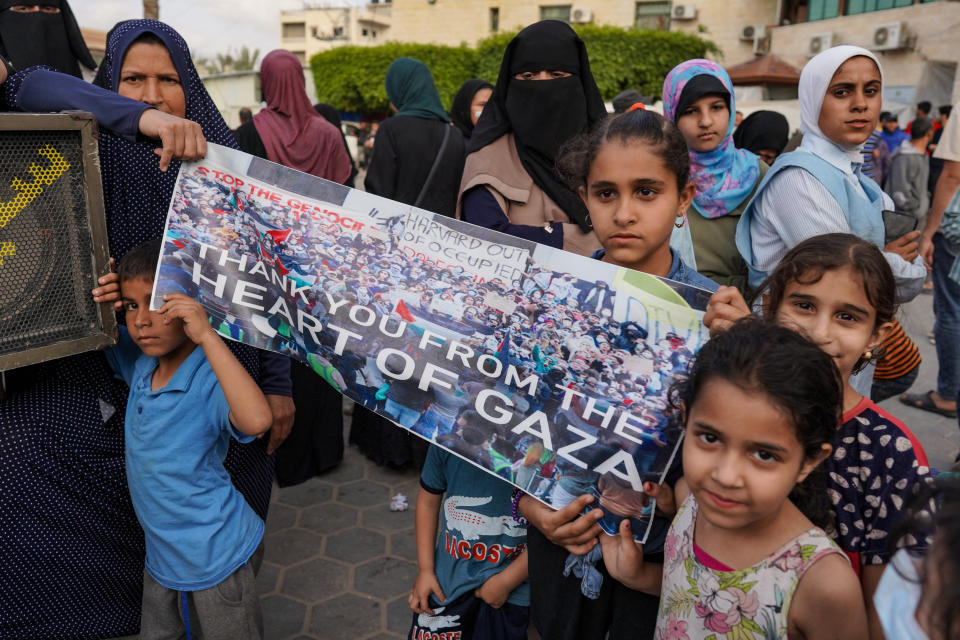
460,107
762,130
543,114
38,37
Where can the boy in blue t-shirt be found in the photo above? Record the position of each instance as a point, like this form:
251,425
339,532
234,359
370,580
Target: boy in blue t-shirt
184,406
472,581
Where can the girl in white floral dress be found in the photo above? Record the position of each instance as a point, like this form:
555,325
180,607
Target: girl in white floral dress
761,407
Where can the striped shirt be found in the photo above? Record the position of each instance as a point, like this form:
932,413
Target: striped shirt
898,355
867,151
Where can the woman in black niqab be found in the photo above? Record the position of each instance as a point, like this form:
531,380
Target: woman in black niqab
48,36
460,107
543,114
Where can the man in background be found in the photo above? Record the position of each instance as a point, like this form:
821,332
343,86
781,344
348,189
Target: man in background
936,164
891,132
923,111
940,254
910,171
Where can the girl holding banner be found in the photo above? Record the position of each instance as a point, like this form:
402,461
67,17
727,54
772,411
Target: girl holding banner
632,175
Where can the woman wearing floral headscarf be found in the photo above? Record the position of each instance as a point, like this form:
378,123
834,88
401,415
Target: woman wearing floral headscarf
72,550
698,96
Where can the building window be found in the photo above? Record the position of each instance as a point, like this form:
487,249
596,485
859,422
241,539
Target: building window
364,32
559,12
822,9
494,19
294,30
652,15
301,56
865,6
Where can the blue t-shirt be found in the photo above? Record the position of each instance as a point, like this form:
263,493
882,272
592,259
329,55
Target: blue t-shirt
197,527
478,536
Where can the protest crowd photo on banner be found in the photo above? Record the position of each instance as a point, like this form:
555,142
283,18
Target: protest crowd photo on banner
476,322
513,373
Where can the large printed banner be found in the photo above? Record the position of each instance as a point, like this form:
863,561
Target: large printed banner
545,368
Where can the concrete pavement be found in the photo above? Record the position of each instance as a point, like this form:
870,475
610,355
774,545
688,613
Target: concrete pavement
338,564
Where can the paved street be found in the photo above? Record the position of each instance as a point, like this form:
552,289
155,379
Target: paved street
939,435
339,563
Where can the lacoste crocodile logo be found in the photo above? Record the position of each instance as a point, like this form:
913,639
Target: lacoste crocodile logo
437,621
472,525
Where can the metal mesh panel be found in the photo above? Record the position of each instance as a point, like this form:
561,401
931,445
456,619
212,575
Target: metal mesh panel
46,250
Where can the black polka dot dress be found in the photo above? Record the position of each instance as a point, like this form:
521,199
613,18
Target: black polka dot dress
71,549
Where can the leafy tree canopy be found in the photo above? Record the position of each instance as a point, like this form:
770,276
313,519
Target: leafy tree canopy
351,77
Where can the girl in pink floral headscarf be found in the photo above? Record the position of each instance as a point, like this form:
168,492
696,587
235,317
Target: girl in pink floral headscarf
742,559
698,97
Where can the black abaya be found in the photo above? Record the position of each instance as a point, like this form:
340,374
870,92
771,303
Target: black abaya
315,443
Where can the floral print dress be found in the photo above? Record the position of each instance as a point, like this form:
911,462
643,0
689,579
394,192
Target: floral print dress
702,602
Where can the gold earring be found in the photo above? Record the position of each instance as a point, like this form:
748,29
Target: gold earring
680,221
868,354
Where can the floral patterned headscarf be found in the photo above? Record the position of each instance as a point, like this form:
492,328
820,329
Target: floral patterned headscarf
726,176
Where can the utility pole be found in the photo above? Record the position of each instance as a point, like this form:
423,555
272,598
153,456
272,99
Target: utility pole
151,9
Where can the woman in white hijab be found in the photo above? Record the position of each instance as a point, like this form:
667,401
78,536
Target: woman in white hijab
818,188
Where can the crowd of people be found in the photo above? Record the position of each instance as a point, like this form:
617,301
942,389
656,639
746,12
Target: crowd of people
788,468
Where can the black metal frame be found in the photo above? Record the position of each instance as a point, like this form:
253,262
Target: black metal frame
86,124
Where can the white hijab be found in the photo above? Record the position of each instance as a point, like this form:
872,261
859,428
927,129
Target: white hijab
815,80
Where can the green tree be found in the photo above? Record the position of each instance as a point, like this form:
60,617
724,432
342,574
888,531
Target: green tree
351,77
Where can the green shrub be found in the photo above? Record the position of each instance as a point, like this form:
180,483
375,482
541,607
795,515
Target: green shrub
351,78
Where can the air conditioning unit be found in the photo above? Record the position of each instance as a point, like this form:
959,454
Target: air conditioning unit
684,12
753,32
888,36
820,42
581,14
